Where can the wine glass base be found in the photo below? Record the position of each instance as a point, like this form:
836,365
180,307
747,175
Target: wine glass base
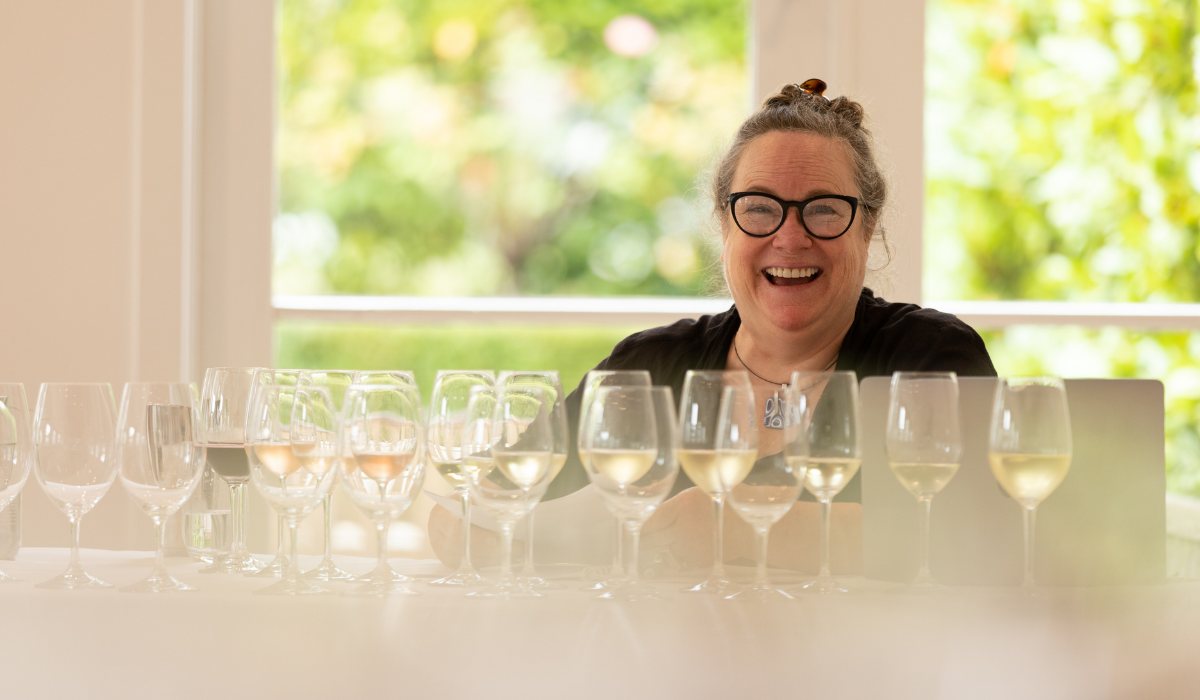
5,578
158,582
380,589
380,577
328,571
506,591
632,592
273,569
715,586
820,587
293,586
539,584
72,579
460,579
761,593
233,564
606,585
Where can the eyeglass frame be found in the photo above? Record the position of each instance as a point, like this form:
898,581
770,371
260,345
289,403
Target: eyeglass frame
787,205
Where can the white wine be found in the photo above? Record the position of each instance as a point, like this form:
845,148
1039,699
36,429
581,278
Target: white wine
623,466
923,479
277,459
230,462
557,462
313,464
825,477
383,467
523,468
1029,478
583,458
477,467
716,472
451,472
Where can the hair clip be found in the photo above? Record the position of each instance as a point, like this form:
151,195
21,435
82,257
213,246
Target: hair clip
814,86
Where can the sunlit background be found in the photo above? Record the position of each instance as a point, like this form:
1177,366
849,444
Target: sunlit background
546,147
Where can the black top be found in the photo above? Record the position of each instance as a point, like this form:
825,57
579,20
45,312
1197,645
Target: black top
883,338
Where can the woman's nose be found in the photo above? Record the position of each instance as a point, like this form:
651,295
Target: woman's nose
792,235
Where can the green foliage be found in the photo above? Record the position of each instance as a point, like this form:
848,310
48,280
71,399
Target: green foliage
572,350
502,139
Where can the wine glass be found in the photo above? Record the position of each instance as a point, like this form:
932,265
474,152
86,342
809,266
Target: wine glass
768,492
1030,446
224,403
447,415
712,456
160,461
924,445
73,436
386,470
549,381
336,381
509,474
16,448
292,439
275,567
591,382
632,435
828,402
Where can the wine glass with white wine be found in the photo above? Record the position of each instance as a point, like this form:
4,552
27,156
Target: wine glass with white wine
549,381
924,445
447,417
717,450
1029,448
830,415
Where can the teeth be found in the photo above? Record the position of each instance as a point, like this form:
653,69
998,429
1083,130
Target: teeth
792,272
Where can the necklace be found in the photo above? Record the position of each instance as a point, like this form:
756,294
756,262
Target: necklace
773,414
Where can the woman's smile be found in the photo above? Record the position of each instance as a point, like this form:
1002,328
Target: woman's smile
791,276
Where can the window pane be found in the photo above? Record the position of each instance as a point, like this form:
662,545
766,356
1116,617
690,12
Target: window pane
1061,150
479,147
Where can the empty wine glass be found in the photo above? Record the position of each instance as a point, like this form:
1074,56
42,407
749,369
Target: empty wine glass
275,567
1030,446
337,382
771,488
160,461
924,445
592,381
514,479
292,438
224,403
829,401
632,436
549,381
16,448
387,469
73,435
447,416
713,455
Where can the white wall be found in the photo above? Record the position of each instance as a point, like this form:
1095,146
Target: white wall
136,182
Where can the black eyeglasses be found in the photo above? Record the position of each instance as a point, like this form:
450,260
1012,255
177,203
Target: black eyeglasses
826,216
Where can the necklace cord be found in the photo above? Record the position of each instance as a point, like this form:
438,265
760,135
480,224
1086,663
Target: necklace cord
768,381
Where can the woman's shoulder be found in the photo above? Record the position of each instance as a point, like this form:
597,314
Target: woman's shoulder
888,337
688,341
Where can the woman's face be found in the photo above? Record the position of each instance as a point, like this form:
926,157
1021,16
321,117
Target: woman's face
795,166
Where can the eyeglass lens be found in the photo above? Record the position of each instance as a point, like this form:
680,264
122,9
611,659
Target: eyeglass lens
826,217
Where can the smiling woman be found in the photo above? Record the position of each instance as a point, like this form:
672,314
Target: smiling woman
797,199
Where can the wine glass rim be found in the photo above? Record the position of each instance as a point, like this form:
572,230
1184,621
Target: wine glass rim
1034,380
79,384
924,374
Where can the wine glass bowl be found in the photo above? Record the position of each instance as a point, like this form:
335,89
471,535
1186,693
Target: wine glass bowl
1029,447
160,461
74,427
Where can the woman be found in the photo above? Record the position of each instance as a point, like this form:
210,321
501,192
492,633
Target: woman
797,198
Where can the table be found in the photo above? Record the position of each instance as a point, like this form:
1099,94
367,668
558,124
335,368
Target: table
223,642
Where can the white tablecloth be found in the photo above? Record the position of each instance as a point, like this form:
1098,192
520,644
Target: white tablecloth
222,642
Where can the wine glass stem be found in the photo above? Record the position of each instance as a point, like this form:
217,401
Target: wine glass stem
279,539
74,542
506,552
926,506
826,507
635,539
381,533
464,564
237,507
528,569
1029,517
760,573
160,533
328,501
619,553
293,565
718,572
